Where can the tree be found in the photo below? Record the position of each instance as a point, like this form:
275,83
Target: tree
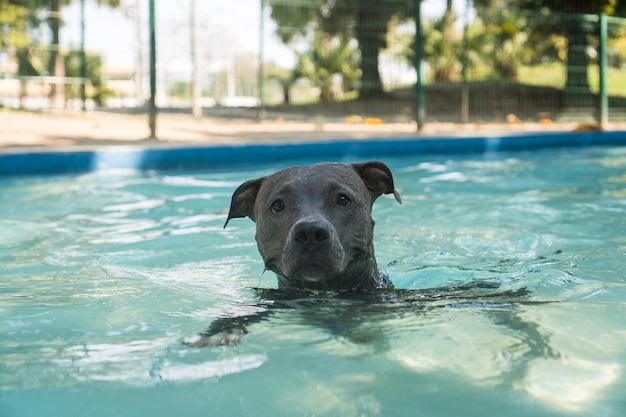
365,21
73,68
328,58
17,22
55,63
499,40
442,46
447,41
565,18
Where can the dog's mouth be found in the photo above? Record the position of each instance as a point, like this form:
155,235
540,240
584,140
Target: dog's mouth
317,267
311,273
306,273
319,270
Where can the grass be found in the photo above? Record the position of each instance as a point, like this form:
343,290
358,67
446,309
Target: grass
546,75
553,75
615,83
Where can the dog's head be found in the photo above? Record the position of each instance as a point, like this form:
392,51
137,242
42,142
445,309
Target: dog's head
314,227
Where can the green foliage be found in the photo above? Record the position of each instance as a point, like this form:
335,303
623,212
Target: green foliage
493,46
25,67
611,7
442,47
500,41
617,46
329,58
364,21
283,75
180,89
17,20
508,35
19,24
553,75
295,18
73,68
55,22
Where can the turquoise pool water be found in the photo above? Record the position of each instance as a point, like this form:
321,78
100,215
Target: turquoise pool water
105,275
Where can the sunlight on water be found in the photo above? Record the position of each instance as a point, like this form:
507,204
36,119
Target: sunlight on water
514,262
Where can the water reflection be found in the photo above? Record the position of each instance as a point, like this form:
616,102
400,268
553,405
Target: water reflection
487,336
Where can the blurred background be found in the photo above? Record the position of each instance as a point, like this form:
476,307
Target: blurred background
348,62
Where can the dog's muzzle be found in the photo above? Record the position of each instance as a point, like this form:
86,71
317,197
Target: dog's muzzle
312,251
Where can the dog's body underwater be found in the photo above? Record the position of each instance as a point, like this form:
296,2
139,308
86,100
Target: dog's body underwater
314,227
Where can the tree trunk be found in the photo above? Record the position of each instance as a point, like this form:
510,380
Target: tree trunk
447,27
371,28
577,90
25,68
445,71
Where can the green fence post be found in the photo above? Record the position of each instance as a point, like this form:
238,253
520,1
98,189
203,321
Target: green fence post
152,108
604,99
261,73
83,58
464,64
420,110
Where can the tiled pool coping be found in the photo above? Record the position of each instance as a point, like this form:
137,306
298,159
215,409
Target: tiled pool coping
47,162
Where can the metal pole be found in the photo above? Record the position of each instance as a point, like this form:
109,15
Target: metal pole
55,66
465,86
420,110
604,98
83,57
261,115
152,108
138,56
196,91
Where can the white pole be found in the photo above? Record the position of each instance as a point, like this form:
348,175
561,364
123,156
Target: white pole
138,57
196,90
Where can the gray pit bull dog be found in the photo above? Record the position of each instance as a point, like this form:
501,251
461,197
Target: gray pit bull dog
314,226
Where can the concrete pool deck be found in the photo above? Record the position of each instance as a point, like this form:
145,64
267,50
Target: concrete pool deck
44,144
27,131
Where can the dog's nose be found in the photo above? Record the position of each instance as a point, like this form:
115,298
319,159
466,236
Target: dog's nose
311,232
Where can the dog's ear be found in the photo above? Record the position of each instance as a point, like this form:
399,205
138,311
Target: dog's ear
242,203
377,178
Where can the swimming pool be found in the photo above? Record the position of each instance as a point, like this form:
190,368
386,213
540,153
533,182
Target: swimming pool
106,273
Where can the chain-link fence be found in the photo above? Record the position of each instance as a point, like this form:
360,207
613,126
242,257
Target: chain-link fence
506,65
345,61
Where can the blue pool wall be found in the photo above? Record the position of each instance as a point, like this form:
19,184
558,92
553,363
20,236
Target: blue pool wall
203,157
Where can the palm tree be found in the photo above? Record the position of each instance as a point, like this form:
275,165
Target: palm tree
365,21
330,57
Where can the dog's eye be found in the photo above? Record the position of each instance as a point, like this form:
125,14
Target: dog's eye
343,200
277,206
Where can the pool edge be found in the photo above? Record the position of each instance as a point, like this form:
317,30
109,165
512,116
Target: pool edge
212,156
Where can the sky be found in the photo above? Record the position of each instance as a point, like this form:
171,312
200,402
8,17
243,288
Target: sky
225,29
